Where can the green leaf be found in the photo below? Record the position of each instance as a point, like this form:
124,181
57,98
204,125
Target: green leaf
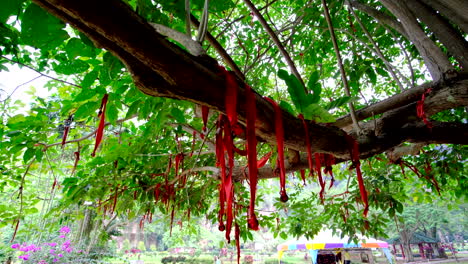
283,235
86,110
85,95
42,30
286,106
371,74
178,115
71,67
295,90
340,102
111,113
133,109
29,154
9,7
89,79
75,47
39,154
318,114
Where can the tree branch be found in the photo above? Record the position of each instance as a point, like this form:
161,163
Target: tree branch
277,42
352,111
221,51
160,68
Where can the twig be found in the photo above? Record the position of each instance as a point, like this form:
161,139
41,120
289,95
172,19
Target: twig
20,195
42,74
17,87
277,42
46,146
221,51
377,49
340,64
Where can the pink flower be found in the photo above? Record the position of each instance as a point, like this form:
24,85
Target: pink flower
52,244
64,230
60,255
15,246
24,257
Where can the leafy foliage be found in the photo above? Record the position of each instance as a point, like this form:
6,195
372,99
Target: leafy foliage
134,173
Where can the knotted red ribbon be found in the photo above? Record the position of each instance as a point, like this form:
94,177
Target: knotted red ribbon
420,109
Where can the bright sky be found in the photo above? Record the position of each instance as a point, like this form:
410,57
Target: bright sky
17,82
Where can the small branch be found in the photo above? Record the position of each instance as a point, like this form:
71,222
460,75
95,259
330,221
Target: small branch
17,87
275,39
189,129
340,64
46,146
220,50
170,154
42,74
377,50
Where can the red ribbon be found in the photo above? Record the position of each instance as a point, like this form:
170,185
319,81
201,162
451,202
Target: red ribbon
280,143
100,130
354,148
251,116
205,110
420,109
309,149
318,166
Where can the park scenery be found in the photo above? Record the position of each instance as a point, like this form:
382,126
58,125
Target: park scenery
233,131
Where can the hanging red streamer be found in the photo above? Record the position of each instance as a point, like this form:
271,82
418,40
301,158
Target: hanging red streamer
100,130
303,176
231,100
318,166
309,149
420,109
251,116
354,149
280,143
205,110
67,124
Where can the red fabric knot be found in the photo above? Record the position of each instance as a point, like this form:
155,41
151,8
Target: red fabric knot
420,109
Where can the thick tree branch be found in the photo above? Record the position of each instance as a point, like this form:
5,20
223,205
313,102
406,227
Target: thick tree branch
160,68
451,38
380,16
401,99
453,13
436,61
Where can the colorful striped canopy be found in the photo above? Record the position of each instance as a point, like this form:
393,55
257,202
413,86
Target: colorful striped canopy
306,245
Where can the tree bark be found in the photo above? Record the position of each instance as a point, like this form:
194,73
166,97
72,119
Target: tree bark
380,16
443,30
436,61
451,14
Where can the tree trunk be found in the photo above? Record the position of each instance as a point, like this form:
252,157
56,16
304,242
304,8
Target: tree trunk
436,61
443,30
406,236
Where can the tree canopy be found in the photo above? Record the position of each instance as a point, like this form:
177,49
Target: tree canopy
367,96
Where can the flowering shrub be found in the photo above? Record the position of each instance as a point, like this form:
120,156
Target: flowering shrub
59,251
